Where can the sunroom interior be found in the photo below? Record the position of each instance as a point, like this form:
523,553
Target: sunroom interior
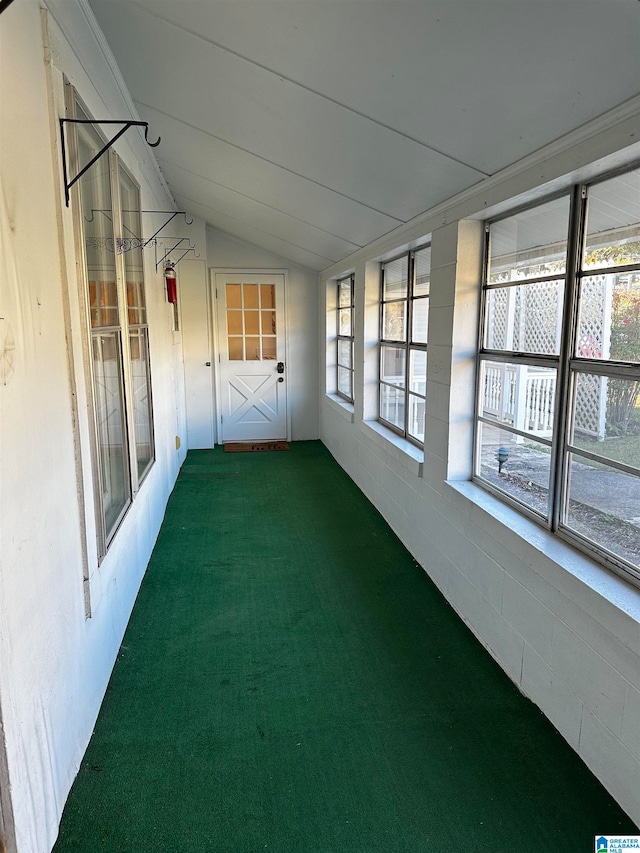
410,231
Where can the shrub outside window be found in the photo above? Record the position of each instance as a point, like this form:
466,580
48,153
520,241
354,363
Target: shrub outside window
404,313
558,402
344,338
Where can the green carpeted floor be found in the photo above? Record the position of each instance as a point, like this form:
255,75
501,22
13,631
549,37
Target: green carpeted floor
291,681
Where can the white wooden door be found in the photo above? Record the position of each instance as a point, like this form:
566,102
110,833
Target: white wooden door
252,367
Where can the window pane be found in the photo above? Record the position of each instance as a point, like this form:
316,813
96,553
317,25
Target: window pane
525,318
252,348
418,372
234,296
234,322
132,234
344,353
392,405
396,278
97,218
142,416
392,368
415,427
250,292
518,467
344,382
422,262
609,325
235,349
268,349
344,320
344,293
420,321
613,222
604,507
268,295
112,434
530,244
606,417
394,321
520,396
252,322
268,322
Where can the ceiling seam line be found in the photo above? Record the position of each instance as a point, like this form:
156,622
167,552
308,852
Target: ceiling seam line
259,230
272,162
257,201
312,91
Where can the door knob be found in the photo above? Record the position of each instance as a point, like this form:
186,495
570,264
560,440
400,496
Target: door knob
280,367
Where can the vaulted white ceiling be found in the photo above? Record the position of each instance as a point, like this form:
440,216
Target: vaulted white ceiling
311,127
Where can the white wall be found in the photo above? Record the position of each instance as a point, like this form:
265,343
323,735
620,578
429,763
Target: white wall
563,628
54,661
224,251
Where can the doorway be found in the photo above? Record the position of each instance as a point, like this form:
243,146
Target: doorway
252,366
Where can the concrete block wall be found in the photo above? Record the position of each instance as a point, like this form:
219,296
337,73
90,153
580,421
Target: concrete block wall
564,629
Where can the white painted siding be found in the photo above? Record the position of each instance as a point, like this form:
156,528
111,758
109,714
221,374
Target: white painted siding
54,662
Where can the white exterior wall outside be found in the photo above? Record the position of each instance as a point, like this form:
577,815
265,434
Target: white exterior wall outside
54,662
564,629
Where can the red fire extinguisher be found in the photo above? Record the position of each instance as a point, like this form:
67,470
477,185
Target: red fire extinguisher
170,278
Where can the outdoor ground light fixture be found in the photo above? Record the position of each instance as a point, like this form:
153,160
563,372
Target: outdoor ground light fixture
502,455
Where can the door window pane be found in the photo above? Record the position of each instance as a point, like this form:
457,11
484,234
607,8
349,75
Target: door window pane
252,349
268,295
236,350
268,349
234,296
250,293
234,322
268,322
252,322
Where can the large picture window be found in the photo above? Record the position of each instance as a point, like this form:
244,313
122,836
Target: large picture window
108,221
558,404
404,313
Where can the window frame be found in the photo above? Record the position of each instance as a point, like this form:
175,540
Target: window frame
122,330
409,345
349,339
568,364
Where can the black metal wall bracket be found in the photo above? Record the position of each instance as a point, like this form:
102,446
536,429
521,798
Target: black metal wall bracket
126,125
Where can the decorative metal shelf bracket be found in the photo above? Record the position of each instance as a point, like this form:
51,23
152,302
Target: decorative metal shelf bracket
126,125
172,217
179,242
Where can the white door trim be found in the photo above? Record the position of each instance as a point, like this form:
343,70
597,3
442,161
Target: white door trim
218,336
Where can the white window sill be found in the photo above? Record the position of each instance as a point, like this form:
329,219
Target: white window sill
401,449
545,552
342,406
